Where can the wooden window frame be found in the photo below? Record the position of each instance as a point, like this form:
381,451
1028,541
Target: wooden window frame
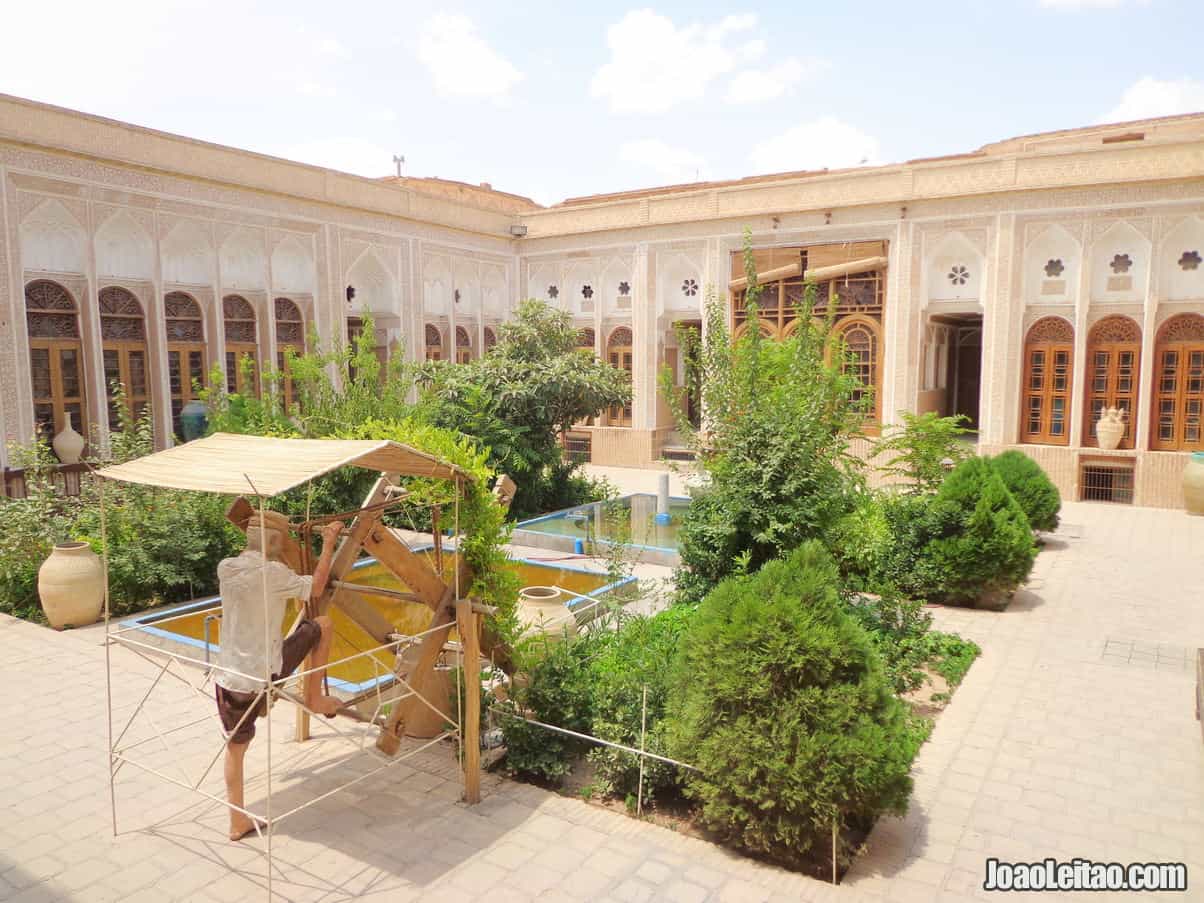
463,348
874,327
1112,338
124,351
1183,336
180,354
434,350
622,357
1050,337
57,401
288,395
236,351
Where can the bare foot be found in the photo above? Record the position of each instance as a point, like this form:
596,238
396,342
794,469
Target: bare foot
327,705
241,826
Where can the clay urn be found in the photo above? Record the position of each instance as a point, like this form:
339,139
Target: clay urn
1110,428
71,585
541,609
68,444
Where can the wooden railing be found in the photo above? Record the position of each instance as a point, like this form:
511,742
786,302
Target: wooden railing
66,478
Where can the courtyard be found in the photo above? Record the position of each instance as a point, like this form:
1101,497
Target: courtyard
1072,735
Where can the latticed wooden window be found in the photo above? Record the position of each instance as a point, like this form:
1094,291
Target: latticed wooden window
862,357
55,359
1048,354
123,347
619,353
463,345
1113,362
490,338
185,327
434,343
1179,384
586,339
242,344
290,333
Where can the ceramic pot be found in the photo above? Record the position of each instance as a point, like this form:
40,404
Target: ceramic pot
68,444
1193,483
541,610
71,585
1109,432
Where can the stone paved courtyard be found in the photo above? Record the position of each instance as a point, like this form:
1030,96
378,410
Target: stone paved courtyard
1073,735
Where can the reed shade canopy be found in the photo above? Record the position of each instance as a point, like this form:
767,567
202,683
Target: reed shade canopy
232,464
814,274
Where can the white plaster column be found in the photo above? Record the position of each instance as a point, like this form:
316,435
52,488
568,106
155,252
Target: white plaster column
1149,333
902,310
268,345
1079,317
11,399
92,366
415,330
643,338
999,334
156,327
217,318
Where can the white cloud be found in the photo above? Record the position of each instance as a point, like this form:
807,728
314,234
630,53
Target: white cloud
353,155
672,164
460,60
826,142
760,85
655,65
1148,97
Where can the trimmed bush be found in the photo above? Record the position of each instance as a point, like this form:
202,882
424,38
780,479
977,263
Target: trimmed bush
1031,487
993,550
781,702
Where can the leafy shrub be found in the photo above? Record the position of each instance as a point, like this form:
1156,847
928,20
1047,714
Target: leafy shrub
640,654
920,447
860,542
992,551
950,655
1031,487
914,522
899,629
782,703
710,544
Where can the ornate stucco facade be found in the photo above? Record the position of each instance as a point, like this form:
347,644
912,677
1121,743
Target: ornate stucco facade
1079,226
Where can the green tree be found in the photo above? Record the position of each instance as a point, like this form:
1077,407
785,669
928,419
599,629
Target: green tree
923,448
1031,487
781,702
778,418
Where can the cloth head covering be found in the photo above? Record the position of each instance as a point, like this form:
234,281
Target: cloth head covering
272,520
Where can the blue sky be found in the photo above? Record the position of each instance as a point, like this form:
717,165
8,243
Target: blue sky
552,101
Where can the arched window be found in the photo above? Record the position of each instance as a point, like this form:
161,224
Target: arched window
123,346
863,358
434,343
490,339
767,328
619,353
587,339
55,359
463,345
242,343
1179,384
1048,351
1113,359
185,328
290,333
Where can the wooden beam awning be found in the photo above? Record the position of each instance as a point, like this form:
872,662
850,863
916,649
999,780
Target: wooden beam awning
819,274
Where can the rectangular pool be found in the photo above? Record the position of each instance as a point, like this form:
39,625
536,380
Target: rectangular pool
629,520
183,627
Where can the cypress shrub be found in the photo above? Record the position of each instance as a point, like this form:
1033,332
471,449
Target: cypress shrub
992,550
1031,487
782,703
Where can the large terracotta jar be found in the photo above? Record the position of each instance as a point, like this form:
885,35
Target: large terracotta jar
1193,483
71,585
541,609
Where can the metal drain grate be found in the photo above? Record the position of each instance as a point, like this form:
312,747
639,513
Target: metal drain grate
1141,654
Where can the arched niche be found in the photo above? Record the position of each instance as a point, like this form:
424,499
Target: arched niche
293,267
679,282
1051,266
243,261
1181,262
375,288
187,253
1120,261
614,287
493,292
955,270
52,240
124,249
436,286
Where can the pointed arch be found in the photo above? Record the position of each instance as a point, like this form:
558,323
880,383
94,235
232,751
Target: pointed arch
463,345
290,335
241,327
123,352
373,283
53,240
955,270
490,339
124,249
434,342
1046,392
1179,385
56,364
619,352
860,336
1112,381
186,352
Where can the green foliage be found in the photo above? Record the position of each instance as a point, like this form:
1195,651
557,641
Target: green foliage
779,418
1031,487
993,550
781,701
860,542
899,629
913,523
637,656
521,397
950,655
918,449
